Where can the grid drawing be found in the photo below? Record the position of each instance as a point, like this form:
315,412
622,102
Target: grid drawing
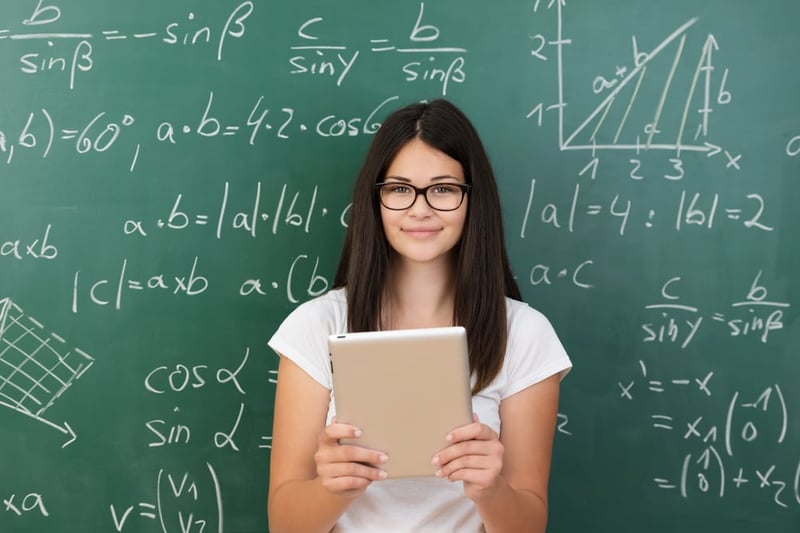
36,366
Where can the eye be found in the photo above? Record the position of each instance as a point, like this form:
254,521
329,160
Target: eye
396,188
446,189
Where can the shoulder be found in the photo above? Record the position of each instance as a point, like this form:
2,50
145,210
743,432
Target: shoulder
303,335
533,348
326,312
523,318
331,305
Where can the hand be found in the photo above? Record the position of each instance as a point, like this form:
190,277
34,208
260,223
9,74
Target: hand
344,469
474,456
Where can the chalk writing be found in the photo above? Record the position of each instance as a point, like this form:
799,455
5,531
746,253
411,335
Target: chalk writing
763,316
691,210
110,291
181,503
181,377
36,366
327,58
188,33
303,280
291,210
102,132
175,179
757,418
545,274
39,248
32,502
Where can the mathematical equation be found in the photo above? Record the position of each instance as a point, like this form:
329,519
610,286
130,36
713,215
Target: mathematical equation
113,290
784,488
181,503
433,63
761,419
315,59
40,134
291,210
173,381
81,57
689,210
761,317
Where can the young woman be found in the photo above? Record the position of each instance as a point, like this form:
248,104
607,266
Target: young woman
424,248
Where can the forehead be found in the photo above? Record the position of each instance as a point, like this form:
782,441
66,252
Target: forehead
419,161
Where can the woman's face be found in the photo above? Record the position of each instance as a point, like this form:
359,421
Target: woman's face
421,234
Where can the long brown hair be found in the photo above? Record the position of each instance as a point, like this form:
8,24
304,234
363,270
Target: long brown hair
483,276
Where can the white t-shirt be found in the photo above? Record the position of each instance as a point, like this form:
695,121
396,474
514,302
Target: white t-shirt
533,353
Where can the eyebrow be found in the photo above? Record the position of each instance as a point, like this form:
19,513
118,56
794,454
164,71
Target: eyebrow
435,178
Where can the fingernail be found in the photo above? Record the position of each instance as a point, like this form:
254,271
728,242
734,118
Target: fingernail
449,437
438,473
435,460
383,458
382,474
357,433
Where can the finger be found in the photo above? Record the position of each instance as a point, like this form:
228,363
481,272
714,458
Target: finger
351,470
335,432
454,451
486,462
348,453
474,431
471,462
345,486
348,486
481,479
334,450
488,448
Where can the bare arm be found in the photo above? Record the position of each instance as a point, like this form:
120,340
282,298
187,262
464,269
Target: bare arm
313,479
507,477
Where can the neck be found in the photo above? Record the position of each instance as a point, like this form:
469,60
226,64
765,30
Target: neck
419,296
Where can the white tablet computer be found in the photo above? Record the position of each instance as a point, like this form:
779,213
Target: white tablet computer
405,389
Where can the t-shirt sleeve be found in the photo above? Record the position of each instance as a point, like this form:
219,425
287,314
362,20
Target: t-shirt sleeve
534,351
303,338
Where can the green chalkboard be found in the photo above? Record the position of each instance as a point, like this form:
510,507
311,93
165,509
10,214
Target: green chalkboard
174,179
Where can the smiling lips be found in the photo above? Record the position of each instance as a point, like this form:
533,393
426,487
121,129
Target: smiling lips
421,233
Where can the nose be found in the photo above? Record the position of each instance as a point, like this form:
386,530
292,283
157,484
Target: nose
420,204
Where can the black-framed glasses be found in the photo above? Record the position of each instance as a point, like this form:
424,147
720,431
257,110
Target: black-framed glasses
398,196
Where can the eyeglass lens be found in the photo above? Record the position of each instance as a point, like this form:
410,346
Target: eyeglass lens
440,196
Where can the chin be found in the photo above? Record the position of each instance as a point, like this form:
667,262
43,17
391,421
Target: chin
419,257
